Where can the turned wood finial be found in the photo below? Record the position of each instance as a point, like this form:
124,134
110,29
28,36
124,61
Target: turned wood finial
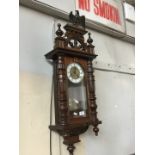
96,130
71,148
89,40
59,32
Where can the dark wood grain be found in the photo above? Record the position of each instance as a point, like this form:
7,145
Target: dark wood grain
70,47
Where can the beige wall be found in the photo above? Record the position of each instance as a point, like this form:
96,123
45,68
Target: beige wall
34,113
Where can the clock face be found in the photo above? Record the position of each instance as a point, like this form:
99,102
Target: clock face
75,73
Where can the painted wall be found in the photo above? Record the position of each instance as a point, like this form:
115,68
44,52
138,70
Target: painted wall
114,91
35,82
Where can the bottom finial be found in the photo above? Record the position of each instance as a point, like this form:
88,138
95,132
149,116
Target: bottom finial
71,148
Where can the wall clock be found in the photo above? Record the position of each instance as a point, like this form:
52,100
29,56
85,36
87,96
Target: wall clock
74,82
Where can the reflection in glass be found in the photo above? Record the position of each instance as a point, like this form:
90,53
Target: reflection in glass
77,99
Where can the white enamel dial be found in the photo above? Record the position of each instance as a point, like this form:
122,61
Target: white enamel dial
75,73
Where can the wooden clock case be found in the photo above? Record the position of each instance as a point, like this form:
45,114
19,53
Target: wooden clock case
70,47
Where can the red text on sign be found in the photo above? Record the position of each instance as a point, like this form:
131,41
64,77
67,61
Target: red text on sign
101,9
107,11
84,5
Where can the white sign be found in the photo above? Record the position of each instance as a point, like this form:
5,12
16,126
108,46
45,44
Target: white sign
106,12
129,12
